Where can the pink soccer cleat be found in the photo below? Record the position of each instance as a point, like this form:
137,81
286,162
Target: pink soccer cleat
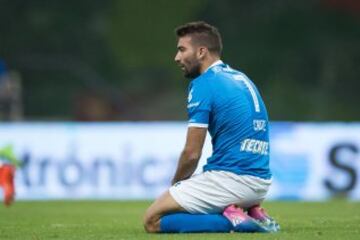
241,221
261,215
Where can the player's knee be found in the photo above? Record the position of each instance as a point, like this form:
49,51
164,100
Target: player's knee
151,223
150,227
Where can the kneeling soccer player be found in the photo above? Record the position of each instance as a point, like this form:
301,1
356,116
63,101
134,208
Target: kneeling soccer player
226,197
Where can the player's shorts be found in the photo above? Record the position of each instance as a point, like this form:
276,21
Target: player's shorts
212,191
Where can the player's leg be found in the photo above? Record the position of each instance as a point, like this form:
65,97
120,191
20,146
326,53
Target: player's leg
204,198
183,209
167,216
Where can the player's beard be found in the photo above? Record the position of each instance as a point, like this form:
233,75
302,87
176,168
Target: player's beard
192,69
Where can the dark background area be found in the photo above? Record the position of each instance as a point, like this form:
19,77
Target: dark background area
113,60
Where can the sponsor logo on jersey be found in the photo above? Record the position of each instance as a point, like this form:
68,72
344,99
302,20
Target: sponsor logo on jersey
259,125
255,146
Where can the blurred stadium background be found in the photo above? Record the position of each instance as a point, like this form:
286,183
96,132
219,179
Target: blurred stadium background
113,60
93,105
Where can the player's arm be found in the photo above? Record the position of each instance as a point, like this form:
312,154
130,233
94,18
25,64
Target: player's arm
191,154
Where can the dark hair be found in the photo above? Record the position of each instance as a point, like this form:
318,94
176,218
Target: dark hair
202,33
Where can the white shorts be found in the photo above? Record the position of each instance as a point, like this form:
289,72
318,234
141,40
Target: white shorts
212,191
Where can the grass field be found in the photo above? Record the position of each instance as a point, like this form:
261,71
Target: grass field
123,220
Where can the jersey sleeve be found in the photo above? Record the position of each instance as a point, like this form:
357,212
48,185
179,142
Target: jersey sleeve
199,105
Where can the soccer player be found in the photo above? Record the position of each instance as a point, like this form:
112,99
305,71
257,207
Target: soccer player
8,163
226,197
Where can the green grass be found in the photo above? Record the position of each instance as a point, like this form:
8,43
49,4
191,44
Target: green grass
123,220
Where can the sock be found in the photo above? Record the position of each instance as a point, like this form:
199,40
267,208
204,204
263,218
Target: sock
194,223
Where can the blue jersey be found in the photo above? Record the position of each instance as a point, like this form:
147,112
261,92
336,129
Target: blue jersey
228,103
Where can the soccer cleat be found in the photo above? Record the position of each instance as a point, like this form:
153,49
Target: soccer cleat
260,214
242,222
7,173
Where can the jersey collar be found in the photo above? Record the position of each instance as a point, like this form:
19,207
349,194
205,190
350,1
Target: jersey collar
218,62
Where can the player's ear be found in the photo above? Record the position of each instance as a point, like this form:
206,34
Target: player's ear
202,52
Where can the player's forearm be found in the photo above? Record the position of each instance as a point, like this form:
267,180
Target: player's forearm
186,166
